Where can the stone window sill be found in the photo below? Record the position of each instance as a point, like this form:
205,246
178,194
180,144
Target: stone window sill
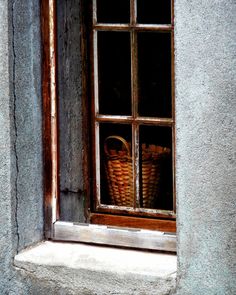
83,269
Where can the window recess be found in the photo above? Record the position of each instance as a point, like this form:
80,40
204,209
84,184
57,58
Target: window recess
127,128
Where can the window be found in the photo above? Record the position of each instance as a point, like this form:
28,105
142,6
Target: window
128,93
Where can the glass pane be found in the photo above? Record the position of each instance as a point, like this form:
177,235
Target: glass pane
156,162
154,11
154,74
116,164
113,11
114,73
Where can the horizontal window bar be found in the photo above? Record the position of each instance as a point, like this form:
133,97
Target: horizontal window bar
110,118
138,120
136,211
129,27
150,120
151,27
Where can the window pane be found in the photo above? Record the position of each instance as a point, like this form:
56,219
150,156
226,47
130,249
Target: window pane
156,162
114,73
154,11
116,164
109,11
154,74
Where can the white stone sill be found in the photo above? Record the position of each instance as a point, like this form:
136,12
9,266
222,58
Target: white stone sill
84,263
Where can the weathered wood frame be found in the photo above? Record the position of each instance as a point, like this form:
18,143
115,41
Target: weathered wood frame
50,112
54,229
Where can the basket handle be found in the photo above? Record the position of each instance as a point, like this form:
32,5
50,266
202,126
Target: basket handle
119,138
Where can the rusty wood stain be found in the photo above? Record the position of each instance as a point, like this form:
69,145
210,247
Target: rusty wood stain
54,108
135,222
46,120
49,93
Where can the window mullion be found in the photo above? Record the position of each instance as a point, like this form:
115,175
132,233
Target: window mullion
135,154
135,126
94,12
133,12
96,124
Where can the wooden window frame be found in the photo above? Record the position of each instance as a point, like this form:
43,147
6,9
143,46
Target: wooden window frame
132,28
104,223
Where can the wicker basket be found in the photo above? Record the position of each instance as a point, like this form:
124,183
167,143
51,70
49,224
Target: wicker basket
119,173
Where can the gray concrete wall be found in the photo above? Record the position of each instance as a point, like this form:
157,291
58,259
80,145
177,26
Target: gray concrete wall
26,93
7,207
21,196
205,42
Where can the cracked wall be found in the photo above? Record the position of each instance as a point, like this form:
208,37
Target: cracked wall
21,196
15,132
7,207
27,112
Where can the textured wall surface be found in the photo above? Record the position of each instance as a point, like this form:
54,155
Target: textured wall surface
28,119
7,205
205,42
21,211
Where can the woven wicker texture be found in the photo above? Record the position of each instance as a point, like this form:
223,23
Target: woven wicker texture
119,172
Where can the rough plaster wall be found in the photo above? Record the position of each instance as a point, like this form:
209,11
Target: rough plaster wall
20,137
205,42
7,207
70,112
8,202
28,120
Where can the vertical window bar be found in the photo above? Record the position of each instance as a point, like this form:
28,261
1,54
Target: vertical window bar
135,155
133,12
135,126
95,67
94,12
134,74
97,159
